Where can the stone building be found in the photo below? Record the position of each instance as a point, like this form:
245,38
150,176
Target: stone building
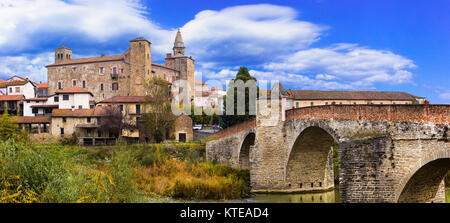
119,75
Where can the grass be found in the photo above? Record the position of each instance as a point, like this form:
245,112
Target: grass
114,174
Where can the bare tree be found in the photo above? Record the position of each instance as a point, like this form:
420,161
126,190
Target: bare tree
159,117
112,120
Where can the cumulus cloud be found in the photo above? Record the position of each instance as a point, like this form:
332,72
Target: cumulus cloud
31,66
350,63
25,24
249,34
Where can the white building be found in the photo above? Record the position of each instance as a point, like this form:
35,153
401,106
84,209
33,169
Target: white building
26,88
74,98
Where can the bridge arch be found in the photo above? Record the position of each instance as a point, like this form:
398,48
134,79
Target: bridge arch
244,150
423,182
309,163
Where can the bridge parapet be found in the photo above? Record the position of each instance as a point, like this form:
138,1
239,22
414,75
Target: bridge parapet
437,114
244,126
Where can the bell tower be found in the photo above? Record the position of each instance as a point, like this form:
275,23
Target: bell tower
63,53
178,46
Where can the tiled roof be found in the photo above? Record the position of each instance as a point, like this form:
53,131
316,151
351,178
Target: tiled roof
11,97
94,112
88,60
350,95
1,80
32,119
45,106
43,85
36,99
124,99
73,90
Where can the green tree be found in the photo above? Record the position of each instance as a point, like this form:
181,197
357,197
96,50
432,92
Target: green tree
230,120
8,127
159,117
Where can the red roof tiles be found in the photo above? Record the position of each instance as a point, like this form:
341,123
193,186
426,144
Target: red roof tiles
73,90
11,97
94,112
32,119
125,99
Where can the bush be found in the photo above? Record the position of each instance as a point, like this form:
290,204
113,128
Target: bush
71,141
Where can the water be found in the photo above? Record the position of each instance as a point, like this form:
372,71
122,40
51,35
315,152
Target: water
318,197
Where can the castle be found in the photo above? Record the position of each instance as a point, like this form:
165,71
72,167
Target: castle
119,75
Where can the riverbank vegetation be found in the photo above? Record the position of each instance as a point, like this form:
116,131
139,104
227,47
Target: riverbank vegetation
121,173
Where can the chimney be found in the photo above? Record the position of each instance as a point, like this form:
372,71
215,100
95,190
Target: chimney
169,55
73,108
103,55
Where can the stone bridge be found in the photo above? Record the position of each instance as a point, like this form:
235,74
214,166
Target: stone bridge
386,153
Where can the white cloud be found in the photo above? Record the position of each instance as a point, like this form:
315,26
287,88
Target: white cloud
246,35
349,62
31,66
27,23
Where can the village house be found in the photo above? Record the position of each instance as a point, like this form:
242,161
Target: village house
12,104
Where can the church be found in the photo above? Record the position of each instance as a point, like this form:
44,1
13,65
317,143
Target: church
119,75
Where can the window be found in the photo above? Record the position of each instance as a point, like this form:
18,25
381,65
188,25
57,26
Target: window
312,103
101,87
121,107
138,109
102,70
89,119
340,103
56,99
297,104
62,131
121,71
74,82
326,103
59,85
10,90
64,119
80,106
17,89
35,111
84,84
65,97
73,68
114,70
115,86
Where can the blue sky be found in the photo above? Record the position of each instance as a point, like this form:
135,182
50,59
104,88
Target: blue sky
308,44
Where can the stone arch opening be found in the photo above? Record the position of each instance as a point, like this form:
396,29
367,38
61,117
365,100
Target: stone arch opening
310,164
244,153
427,183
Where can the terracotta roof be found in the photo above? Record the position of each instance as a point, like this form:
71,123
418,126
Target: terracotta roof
1,80
350,95
43,85
36,99
32,119
45,106
11,97
94,112
73,90
23,78
124,99
87,60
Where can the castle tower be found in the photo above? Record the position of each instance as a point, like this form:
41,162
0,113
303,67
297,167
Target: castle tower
63,53
178,61
178,46
140,66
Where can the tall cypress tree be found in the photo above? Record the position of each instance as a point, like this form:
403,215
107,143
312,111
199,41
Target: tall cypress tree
230,120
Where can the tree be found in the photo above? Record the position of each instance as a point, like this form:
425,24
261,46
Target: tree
159,118
8,127
112,120
230,120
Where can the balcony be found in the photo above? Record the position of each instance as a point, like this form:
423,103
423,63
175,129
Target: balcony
114,76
